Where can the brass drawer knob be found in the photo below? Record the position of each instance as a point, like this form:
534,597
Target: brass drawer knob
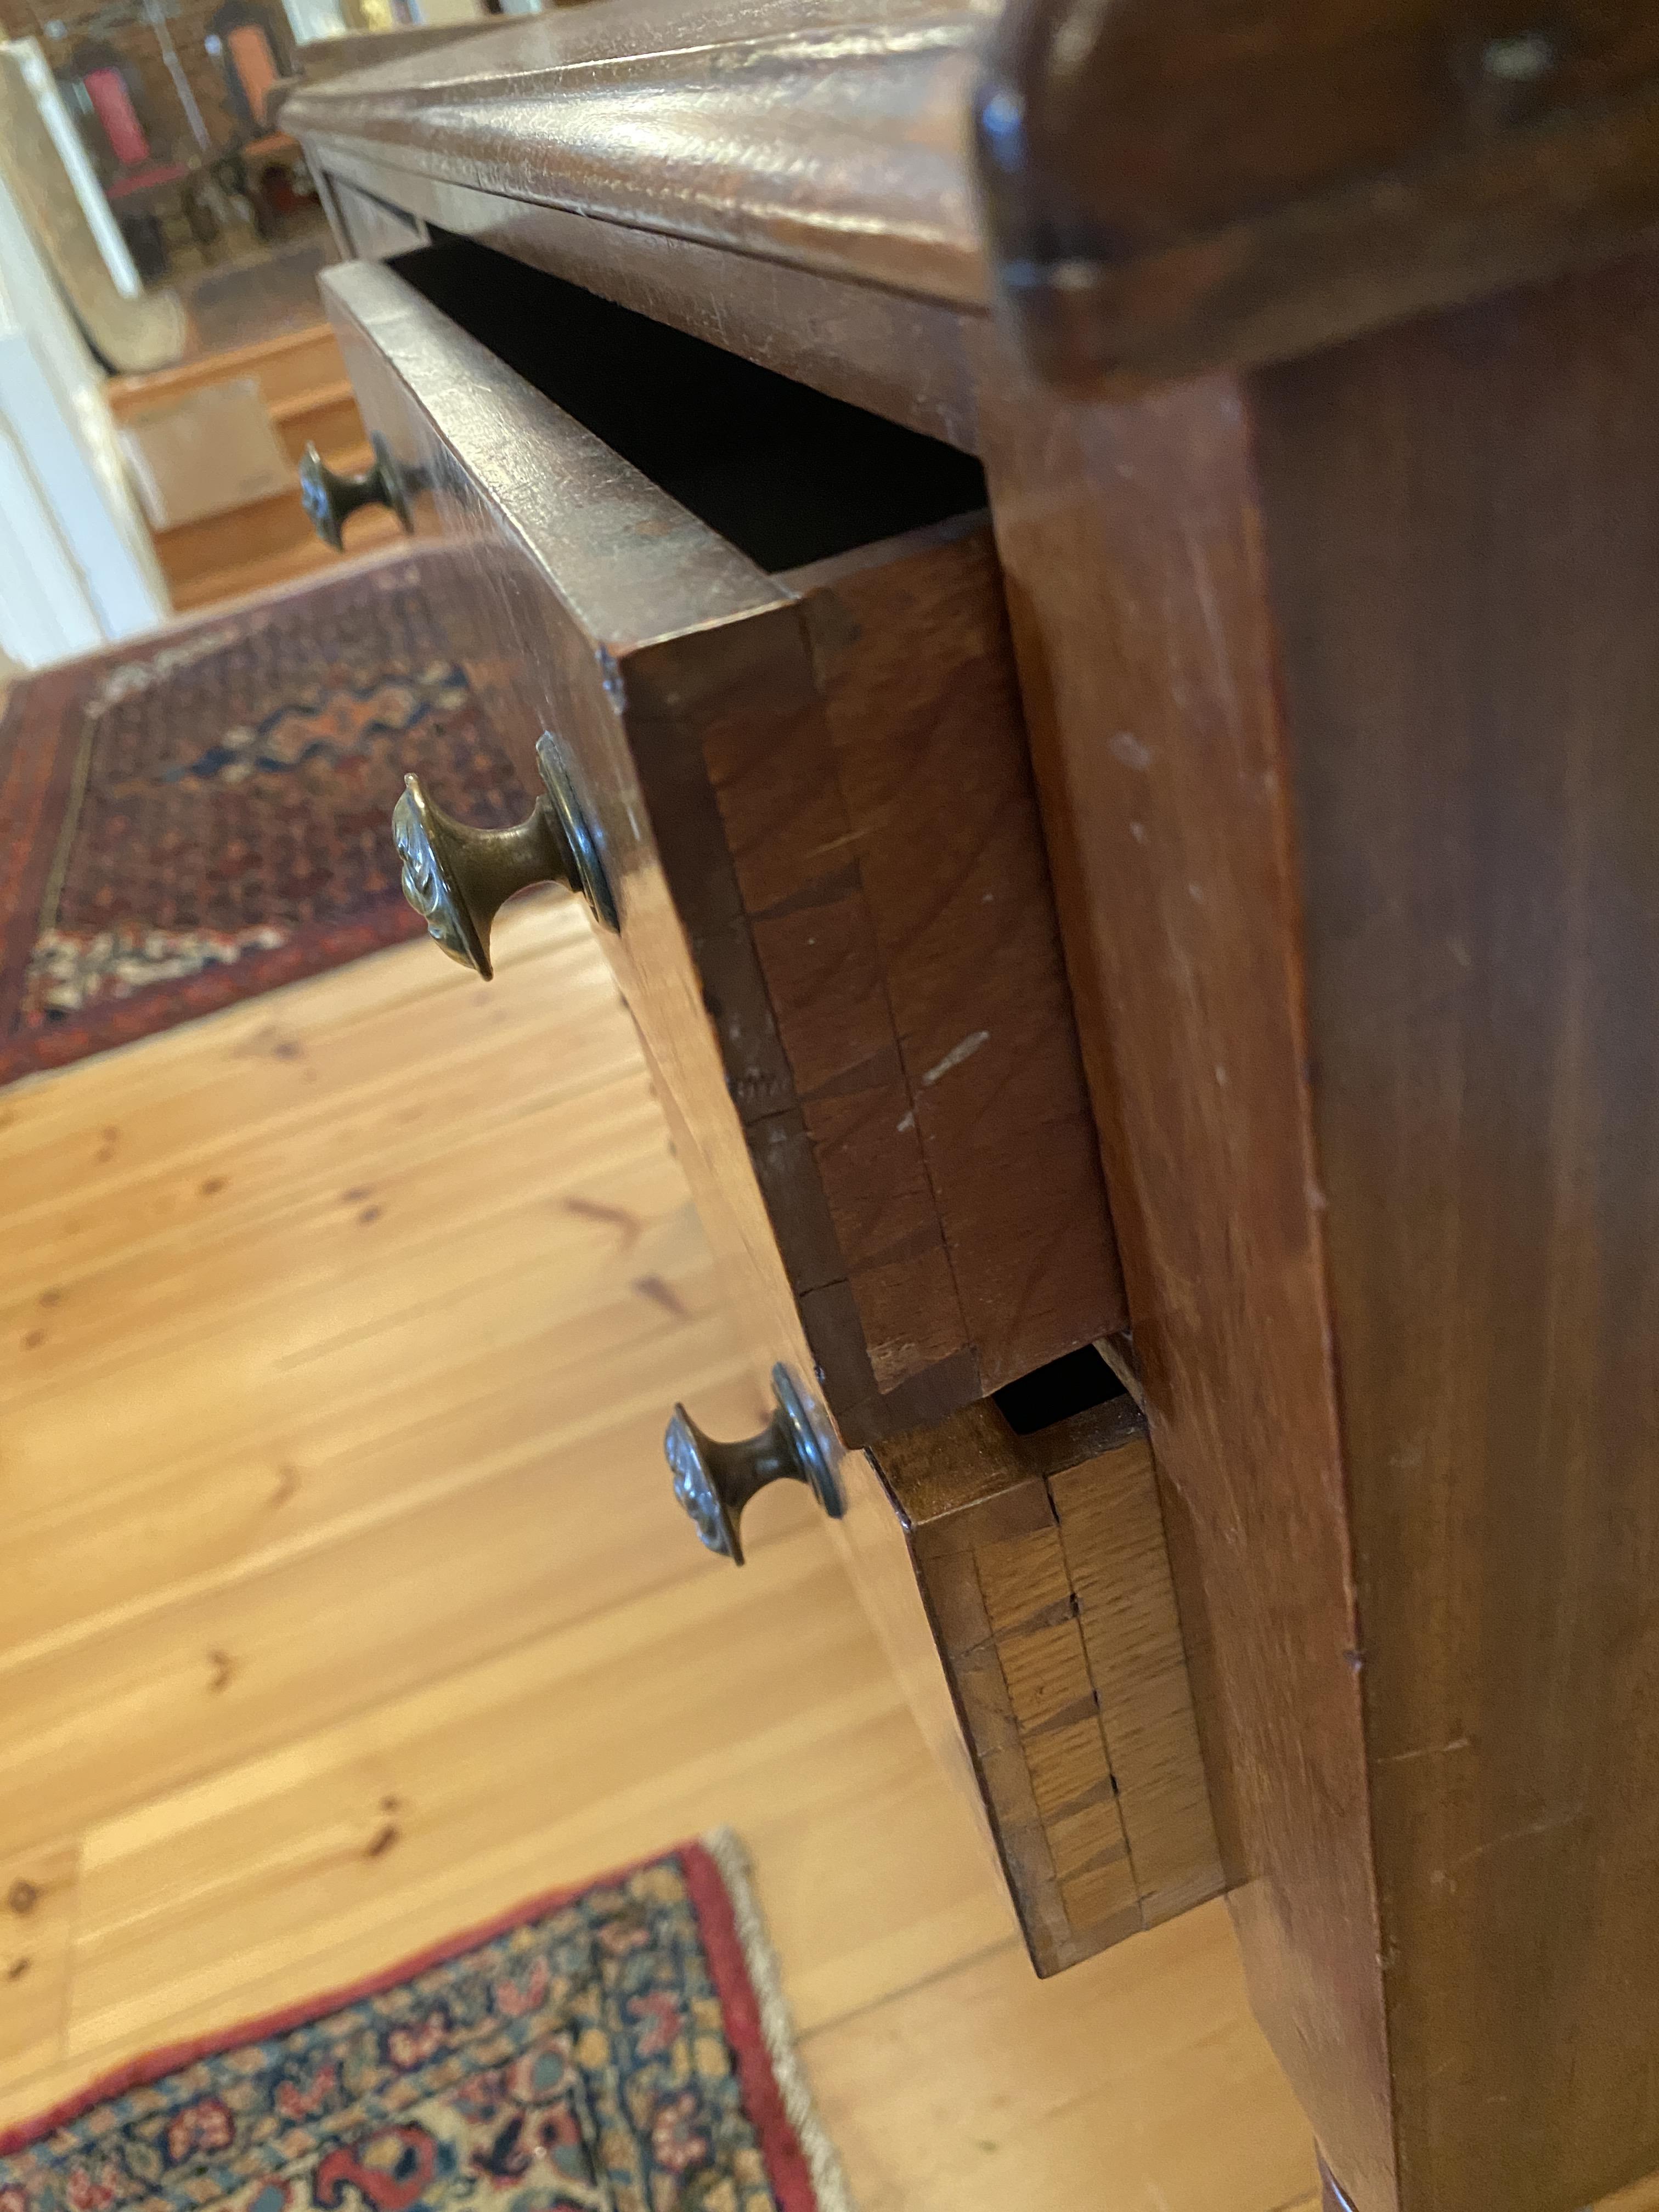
457,879
714,1481
329,497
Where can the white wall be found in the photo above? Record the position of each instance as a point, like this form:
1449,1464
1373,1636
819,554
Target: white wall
76,564
314,19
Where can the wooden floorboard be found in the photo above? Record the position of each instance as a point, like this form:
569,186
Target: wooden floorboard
346,1603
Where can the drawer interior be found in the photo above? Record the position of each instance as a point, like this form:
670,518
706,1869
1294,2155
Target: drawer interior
785,473
1059,1391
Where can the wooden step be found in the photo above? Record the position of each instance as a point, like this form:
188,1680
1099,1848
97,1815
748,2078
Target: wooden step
286,367
327,417
269,542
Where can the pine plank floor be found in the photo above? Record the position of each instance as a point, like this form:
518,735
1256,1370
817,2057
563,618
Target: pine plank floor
344,1602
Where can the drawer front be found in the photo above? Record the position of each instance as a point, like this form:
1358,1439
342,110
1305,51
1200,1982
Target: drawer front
1045,1581
836,931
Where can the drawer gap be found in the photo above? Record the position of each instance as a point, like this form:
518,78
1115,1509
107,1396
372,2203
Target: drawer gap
1059,1390
782,472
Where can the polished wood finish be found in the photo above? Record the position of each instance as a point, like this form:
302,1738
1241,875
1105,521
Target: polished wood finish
890,352
1213,183
1348,684
1132,562
851,1041
1194,186
836,146
836,940
1471,681
1042,1565
897,888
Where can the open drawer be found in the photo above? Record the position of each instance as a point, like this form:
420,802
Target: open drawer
801,783
764,634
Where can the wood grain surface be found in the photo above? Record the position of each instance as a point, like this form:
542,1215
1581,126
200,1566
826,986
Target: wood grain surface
306,1462
951,2079
855,1033
1131,553
403,1790
837,145
1203,186
1111,1532
937,830
892,352
1462,536
1043,1571
1348,685
1219,183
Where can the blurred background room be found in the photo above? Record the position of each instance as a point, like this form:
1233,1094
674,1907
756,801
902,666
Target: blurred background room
164,356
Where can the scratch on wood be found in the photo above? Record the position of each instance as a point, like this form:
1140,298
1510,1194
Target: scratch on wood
382,1840
223,1667
957,1054
1544,1828
1427,1751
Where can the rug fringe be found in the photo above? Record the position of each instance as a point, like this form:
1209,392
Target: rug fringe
726,1847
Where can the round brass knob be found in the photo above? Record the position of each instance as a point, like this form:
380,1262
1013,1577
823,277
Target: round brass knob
329,497
714,1481
457,879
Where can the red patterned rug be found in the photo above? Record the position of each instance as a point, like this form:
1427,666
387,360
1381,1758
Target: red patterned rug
621,2048
204,814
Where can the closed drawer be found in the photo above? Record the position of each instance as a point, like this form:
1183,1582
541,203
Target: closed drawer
777,671
1021,1581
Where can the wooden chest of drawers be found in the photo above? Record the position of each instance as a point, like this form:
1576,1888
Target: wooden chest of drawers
826,903
1326,564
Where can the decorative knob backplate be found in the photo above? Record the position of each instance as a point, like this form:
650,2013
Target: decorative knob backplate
329,497
714,1481
457,878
